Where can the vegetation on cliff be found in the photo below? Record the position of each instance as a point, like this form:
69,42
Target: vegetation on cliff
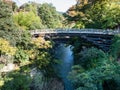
95,69
33,61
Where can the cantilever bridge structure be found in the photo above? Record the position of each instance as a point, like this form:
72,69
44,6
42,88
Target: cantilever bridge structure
98,37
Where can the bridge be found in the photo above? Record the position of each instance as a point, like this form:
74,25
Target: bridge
98,37
72,31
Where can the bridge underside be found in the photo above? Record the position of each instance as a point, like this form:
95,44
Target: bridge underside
102,41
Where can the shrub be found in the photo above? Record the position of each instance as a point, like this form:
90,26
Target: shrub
16,81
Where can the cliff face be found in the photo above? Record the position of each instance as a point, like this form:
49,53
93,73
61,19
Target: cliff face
40,83
54,84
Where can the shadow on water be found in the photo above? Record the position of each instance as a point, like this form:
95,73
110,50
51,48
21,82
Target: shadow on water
64,54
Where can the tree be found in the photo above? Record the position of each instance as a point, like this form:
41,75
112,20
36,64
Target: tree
112,19
50,17
77,13
115,47
6,22
41,52
6,52
27,21
94,69
94,78
5,48
103,14
94,14
16,81
29,7
14,7
8,31
90,58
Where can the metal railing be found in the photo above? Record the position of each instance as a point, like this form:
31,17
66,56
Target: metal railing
89,31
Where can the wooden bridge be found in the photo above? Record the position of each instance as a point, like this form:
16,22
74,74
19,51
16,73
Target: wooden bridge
98,37
73,31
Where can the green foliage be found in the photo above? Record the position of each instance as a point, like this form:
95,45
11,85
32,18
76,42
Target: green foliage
5,48
112,84
79,25
27,52
112,19
37,16
41,52
14,7
6,21
79,44
27,21
21,56
95,14
7,29
90,58
16,81
29,7
37,82
50,17
95,69
43,59
23,39
96,11
27,18
103,69
18,38
103,14
41,56
93,78
77,13
115,48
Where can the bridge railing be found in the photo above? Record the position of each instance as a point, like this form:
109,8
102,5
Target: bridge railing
92,31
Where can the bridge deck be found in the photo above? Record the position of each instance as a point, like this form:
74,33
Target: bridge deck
72,31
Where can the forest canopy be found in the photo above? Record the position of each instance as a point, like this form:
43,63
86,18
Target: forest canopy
33,58
99,14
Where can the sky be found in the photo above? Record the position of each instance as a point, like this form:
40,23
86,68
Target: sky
61,5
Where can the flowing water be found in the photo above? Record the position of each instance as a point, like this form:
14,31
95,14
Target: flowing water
65,56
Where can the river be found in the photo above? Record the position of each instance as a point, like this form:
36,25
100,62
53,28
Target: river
65,55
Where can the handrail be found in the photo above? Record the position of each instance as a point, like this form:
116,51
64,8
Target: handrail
89,31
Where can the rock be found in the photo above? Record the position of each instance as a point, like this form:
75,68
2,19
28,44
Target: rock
9,67
54,84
